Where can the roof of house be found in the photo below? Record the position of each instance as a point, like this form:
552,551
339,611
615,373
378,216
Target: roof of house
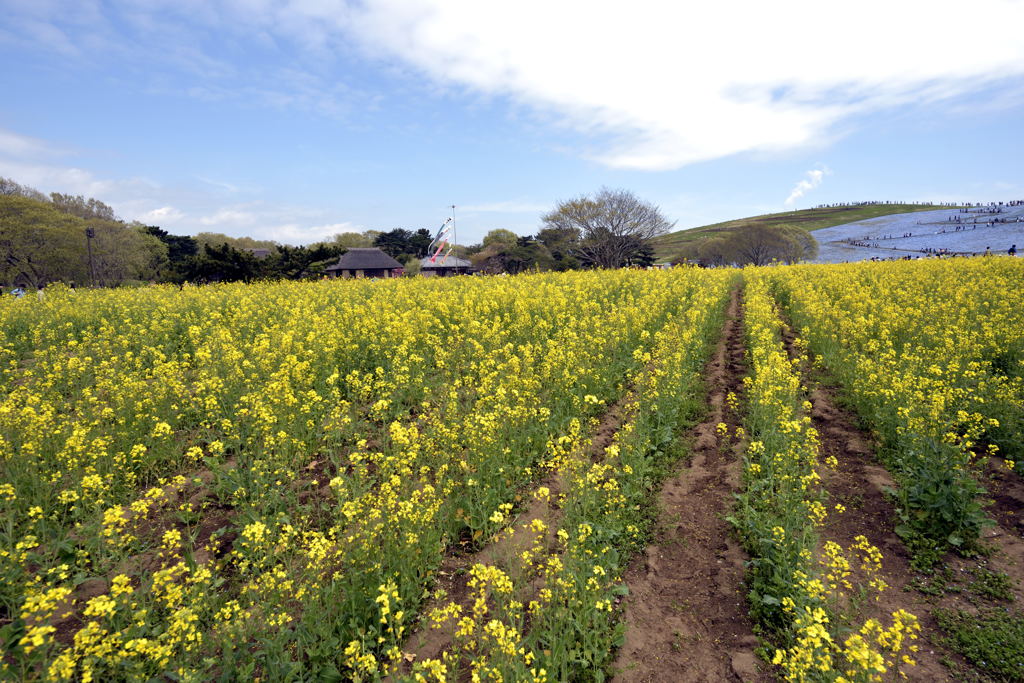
365,258
450,262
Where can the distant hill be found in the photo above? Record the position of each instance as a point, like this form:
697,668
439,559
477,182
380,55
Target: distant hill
667,246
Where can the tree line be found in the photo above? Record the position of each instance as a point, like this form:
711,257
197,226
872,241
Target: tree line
754,245
78,240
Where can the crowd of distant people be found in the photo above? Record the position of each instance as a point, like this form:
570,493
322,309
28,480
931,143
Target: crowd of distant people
965,206
960,223
930,252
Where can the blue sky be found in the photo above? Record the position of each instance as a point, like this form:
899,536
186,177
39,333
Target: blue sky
297,120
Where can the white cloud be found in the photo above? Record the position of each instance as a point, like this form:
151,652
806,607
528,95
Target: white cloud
653,86
228,217
165,215
55,178
220,184
294,233
37,163
675,83
13,145
813,180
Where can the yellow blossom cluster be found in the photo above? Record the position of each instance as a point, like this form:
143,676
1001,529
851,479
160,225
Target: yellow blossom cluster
515,624
930,353
247,455
804,590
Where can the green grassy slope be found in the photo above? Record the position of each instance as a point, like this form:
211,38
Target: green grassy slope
669,245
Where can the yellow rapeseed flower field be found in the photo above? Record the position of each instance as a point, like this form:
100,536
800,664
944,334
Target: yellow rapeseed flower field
263,481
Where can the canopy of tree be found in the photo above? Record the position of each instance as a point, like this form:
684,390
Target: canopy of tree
756,245
40,243
404,245
215,239
355,240
503,251
613,228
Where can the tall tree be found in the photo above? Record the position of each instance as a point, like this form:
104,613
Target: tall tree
295,262
612,225
39,244
561,243
10,188
500,236
181,250
215,239
756,245
394,243
77,205
419,243
500,254
349,240
122,253
224,263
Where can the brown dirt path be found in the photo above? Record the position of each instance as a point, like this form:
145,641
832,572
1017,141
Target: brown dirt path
1007,509
686,613
859,484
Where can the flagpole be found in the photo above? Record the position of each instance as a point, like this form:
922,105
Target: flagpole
455,235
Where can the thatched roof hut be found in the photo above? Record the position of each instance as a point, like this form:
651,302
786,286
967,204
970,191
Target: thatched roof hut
452,265
365,262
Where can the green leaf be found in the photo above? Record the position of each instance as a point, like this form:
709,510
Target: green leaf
330,674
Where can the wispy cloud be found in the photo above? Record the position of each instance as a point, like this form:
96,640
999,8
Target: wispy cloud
44,166
656,87
162,216
814,179
13,145
293,233
230,217
220,184
748,76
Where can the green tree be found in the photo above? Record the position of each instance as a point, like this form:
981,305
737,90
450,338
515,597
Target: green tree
295,262
394,243
561,243
419,243
502,255
224,263
77,205
10,188
350,240
214,239
757,245
181,250
122,253
39,244
501,236
613,225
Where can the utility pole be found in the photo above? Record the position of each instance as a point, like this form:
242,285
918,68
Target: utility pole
89,234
